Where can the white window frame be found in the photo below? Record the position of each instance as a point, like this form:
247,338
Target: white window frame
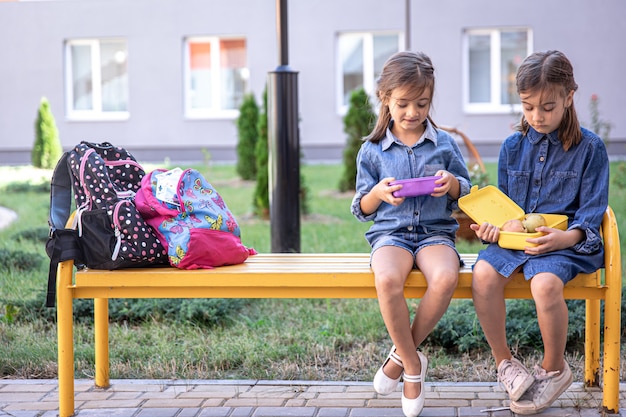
96,113
494,106
216,112
369,83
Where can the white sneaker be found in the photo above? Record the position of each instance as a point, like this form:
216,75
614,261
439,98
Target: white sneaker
514,377
547,388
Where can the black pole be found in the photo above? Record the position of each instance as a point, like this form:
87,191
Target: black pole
284,146
407,25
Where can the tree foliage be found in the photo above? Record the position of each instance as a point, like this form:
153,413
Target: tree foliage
261,201
47,149
247,132
358,123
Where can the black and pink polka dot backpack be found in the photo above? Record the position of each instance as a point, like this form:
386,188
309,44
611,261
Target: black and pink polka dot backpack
106,231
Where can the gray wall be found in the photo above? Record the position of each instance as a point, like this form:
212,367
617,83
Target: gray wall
32,36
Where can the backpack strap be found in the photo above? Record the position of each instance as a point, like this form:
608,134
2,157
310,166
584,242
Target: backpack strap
62,243
60,194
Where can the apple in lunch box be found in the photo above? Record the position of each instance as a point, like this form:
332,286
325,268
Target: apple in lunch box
532,221
513,225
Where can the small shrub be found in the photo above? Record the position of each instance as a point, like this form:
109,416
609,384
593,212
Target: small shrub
18,260
204,312
247,129
619,176
599,126
459,329
27,186
47,149
358,123
477,175
38,234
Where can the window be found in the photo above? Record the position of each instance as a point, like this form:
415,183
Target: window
96,79
216,76
361,57
492,57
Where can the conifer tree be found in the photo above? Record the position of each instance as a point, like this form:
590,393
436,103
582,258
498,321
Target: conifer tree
47,148
358,123
261,193
247,132
261,201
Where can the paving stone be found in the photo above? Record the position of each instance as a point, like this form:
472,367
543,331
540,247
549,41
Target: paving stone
333,412
215,412
159,412
107,412
284,412
189,412
21,413
378,412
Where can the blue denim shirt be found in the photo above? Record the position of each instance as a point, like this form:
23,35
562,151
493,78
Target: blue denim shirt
389,157
536,173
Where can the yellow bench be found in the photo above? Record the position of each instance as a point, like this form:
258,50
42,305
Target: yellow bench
323,275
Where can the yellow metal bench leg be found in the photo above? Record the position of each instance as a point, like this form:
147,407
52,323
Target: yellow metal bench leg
612,330
592,343
101,325
612,313
65,331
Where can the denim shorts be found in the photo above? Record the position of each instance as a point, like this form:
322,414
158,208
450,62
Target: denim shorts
413,242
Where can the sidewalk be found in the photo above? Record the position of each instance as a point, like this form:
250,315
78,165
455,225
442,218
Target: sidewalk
251,398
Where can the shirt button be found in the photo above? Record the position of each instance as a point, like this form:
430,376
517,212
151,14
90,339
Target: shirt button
410,228
542,159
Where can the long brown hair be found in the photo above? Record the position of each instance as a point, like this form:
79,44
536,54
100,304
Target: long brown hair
401,69
546,71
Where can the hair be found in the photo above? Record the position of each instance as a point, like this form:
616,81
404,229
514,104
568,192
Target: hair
401,69
547,72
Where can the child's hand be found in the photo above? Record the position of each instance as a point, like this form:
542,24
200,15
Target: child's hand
384,192
486,232
445,184
553,239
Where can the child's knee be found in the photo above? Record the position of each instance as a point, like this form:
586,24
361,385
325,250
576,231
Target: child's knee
444,283
546,287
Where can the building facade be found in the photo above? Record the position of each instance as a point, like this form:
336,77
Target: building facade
165,78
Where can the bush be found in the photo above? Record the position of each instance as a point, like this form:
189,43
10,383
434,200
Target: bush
247,129
47,149
202,312
459,329
19,260
261,197
358,123
261,201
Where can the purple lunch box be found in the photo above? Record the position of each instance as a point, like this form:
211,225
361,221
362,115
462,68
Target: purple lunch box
414,187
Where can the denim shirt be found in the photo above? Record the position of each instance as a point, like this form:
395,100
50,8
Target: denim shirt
435,150
540,176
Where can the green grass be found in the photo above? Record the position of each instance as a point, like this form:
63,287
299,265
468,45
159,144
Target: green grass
269,339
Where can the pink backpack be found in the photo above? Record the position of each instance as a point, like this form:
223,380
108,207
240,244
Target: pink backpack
191,219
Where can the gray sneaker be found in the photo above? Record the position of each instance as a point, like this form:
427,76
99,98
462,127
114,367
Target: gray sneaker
547,388
514,377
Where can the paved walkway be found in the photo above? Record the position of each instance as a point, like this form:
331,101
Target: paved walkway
179,398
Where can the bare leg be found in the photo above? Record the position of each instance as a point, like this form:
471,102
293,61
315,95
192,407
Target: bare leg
552,316
488,295
391,266
440,266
